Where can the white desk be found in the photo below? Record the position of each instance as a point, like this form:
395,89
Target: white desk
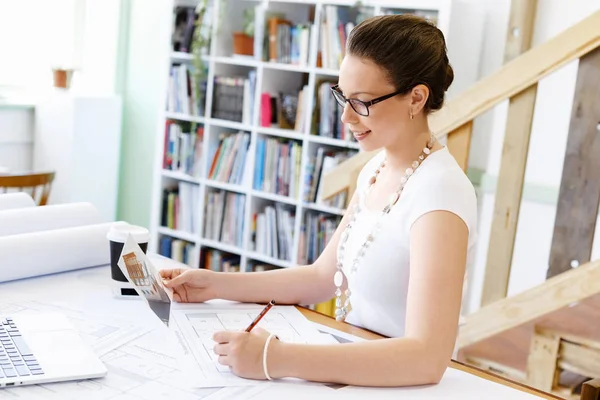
141,355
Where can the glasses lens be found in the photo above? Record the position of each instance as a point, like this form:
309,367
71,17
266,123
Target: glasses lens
359,107
339,98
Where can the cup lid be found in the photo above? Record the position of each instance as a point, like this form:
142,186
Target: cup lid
119,230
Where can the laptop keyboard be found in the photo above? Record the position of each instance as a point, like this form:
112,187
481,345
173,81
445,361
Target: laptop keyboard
16,358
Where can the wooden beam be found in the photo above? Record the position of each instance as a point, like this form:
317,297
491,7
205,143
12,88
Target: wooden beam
520,28
459,144
592,344
509,191
497,368
513,162
579,193
565,393
580,359
352,187
591,390
542,370
342,179
511,347
570,385
553,294
518,74
514,77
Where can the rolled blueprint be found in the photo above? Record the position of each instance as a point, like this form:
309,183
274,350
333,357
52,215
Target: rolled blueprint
36,219
10,201
49,252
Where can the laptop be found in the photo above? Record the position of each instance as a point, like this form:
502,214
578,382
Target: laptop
44,348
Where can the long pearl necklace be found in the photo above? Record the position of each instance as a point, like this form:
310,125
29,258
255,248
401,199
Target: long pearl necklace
343,307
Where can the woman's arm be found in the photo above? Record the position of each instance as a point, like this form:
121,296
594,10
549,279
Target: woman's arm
438,258
297,285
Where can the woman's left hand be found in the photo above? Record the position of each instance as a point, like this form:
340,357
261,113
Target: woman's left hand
243,351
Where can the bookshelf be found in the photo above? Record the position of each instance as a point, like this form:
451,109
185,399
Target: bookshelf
236,177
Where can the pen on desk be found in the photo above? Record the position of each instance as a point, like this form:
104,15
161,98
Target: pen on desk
259,316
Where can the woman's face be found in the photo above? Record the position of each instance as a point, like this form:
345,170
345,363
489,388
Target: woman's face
384,126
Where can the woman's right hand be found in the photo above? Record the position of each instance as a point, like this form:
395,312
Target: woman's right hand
190,285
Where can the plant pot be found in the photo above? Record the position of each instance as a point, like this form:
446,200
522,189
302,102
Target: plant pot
243,44
62,78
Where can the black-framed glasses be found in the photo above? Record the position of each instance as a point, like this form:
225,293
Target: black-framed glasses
359,106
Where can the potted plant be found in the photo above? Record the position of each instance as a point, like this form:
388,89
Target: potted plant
62,77
243,42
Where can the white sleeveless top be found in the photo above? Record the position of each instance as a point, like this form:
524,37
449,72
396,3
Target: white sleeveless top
380,284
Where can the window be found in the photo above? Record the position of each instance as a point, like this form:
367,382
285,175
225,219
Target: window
35,36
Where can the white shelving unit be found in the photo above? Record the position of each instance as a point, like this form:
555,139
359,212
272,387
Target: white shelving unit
270,76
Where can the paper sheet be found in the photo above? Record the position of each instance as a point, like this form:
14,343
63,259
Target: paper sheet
455,384
195,325
11,201
48,252
103,333
36,219
337,335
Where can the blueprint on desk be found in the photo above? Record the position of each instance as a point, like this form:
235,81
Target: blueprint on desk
141,360
196,324
144,360
102,333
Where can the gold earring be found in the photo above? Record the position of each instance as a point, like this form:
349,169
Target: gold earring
411,114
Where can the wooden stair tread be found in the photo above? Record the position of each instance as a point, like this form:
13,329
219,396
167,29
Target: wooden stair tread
511,347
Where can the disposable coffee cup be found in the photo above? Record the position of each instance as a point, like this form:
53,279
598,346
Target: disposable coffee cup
117,236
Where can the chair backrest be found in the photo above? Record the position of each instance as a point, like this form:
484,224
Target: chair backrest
31,181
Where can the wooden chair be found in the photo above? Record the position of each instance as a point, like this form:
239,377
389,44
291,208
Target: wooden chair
33,181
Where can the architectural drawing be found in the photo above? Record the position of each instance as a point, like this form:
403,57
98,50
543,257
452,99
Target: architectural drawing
196,326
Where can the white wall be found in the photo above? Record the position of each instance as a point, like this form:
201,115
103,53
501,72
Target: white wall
35,35
466,25
16,137
81,34
547,147
79,137
100,36
145,37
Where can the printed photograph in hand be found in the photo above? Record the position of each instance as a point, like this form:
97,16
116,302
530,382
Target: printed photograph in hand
141,273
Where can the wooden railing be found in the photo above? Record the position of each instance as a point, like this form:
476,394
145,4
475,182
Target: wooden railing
513,78
542,334
517,81
558,292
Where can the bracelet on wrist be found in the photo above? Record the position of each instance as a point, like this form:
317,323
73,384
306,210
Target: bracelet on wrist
265,351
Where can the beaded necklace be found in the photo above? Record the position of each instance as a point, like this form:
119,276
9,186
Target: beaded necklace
343,307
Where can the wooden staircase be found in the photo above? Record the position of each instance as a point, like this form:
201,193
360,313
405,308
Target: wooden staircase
541,335
547,336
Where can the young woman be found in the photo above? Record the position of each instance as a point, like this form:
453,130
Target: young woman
397,260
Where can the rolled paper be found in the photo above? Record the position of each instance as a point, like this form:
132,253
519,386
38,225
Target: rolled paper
49,252
36,219
10,201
